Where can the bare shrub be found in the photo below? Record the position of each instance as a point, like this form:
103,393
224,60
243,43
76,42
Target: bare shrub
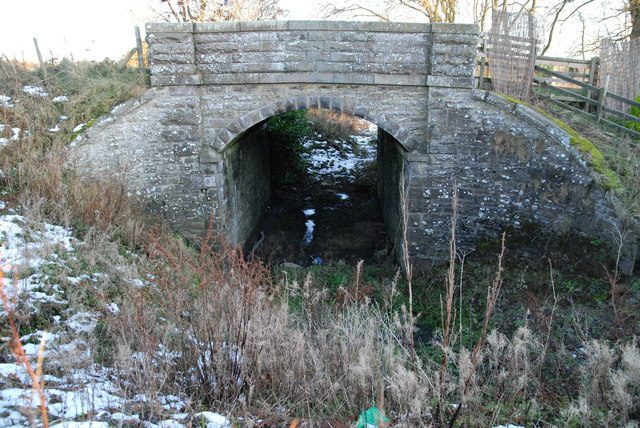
335,125
609,385
15,346
211,327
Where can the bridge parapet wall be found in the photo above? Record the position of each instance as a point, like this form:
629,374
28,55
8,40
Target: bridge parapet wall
267,52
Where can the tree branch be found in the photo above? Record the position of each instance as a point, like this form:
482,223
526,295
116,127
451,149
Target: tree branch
354,10
553,25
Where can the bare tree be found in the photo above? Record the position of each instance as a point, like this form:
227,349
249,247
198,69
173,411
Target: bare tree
353,9
481,9
563,10
634,12
433,10
220,10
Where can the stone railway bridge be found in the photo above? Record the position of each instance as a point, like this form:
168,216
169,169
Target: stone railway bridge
185,145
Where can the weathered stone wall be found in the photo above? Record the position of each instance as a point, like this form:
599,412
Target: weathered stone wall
154,143
390,186
371,53
246,167
512,165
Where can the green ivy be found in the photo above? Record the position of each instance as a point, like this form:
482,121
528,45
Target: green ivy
634,111
285,134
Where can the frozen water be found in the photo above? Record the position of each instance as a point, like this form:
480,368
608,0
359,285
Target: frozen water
308,235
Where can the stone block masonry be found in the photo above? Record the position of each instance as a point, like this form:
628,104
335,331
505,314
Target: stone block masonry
372,53
180,147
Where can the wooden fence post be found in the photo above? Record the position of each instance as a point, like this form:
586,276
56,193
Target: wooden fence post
43,69
482,39
483,59
139,47
125,60
593,73
601,100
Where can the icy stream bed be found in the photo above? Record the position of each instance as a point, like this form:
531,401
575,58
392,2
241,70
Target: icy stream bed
330,215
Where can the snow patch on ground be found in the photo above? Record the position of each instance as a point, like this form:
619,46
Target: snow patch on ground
340,162
35,90
16,135
23,243
4,101
214,420
83,388
57,127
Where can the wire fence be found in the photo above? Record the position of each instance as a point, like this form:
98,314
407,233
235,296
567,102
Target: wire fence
511,51
620,61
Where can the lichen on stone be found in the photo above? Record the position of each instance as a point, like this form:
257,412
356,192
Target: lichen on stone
610,179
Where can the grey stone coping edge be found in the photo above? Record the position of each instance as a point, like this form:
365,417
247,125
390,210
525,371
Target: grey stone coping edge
531,115
292,77
372,26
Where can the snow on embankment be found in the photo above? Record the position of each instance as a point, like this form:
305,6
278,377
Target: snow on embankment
43,271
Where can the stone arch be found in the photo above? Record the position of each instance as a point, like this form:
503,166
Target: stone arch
340,104
443,134
243,174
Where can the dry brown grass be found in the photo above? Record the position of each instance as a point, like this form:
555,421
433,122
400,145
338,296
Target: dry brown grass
213,327
334,125
15,346
35,167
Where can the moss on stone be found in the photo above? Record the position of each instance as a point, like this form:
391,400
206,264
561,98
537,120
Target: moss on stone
513,100
586,146
610,179
569,130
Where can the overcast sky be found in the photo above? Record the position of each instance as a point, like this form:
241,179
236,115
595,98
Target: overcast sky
95,29
87,29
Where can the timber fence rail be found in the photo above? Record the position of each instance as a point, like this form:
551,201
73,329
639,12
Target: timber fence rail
573,85
592,96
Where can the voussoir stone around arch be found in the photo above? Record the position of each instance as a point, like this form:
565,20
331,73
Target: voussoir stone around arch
303,102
